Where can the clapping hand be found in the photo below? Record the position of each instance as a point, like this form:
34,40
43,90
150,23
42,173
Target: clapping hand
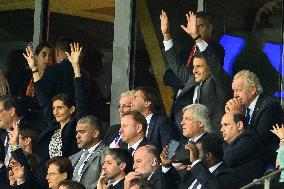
190,27
29,56
234,106
74,56
14,134
279,131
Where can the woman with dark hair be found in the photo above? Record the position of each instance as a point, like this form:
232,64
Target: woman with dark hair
59,138
58,169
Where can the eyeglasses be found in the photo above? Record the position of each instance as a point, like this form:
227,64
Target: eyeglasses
123,106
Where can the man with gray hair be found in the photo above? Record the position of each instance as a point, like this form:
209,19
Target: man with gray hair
261,110
113,137
196,123
88,162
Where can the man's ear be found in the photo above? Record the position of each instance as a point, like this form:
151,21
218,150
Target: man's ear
253,89
12,111
208,156
72,109
122,166
139,128
148,104
96,133
240,126
27,141
154,162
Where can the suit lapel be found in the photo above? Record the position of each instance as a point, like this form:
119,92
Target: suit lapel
189,85
255,113
93,156
151,126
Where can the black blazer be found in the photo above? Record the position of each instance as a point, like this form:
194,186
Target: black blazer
162,180
160,131
245,155
119,185
69,142
220,178
267,113
111,133
215,91
4,181
144,142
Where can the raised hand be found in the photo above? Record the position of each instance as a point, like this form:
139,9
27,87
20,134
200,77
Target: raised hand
278,131
130,177
190,26
29,56
194,152
102,181
14,134
234,106
165,26
74,56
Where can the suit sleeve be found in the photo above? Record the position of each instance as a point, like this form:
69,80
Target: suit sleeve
81,96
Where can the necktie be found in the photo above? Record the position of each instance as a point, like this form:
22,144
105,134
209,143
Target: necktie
131,150
197,100
247,116
80,166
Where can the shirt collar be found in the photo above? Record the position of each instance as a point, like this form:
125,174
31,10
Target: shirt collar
1,165
115,183
253,104
135,145
195,139
213,168
148,118
93,148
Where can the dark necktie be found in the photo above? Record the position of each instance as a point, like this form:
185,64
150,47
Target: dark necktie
130,150
247,116
197,100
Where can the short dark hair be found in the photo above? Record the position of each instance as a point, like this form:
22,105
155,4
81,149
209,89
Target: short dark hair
94,122
63,164
11,102
70,184
198,55
213,144
152,95
121,155
139,118
2,151
26,130
237,117
65,98
42,45
142,183
208,17
64,44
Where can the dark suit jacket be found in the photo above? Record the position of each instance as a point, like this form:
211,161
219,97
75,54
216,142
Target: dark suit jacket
182,154
111,133
244,155
267,112
119,185
220,178
4,181
144,142
69,142
164,180
92,168
215,91
160,131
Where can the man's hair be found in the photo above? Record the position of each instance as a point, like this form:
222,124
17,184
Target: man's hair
250,80
63,164
64,44
203,15
153,151
237,117
26,130
66,99
200,113
70,184
142,183
139,118
11,102
152,96
94,122
214,144
121,156
127,93
198,55
2,151
42,45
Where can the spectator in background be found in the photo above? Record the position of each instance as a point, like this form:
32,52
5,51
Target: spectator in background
4,85
59,169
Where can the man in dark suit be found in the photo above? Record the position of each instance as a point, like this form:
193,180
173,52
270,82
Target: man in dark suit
133,129
243,151
261,111
207,83
112,136
196,124
118,163
3,171
147,166
88,162
207,169
159,131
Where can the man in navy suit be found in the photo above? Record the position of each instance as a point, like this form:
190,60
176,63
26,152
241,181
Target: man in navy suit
159,131
261,111
133,130
118,163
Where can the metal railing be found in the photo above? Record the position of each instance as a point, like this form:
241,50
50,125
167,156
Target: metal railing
265,179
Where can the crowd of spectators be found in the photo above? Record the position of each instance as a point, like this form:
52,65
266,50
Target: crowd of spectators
221,133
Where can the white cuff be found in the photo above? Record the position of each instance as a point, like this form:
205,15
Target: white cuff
195,162
165,169
202,45
168,44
